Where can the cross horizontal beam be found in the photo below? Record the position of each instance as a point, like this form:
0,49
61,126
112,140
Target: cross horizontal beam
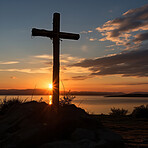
51,34
55,35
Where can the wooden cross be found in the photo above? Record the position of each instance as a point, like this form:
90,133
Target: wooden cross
55,35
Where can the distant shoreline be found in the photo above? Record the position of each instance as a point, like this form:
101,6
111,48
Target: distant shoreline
126,95
49,92
36,92
130,95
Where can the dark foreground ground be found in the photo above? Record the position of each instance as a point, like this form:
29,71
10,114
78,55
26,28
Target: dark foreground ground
133,130
36,124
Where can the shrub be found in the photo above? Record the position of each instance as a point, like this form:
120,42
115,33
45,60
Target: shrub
140,111
6,104
66,99
118,112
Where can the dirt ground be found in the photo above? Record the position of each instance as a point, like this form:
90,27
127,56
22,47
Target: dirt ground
134,131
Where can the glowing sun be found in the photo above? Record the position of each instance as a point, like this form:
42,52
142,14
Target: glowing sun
50,86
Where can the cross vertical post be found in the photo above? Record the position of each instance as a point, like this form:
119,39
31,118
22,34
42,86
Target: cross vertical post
56,62
55,35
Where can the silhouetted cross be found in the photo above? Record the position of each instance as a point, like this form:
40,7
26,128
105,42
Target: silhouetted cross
55,35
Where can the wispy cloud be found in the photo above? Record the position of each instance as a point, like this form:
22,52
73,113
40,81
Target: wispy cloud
76,70
44,56
64,58
110,46
80,77
35,67
64,69
39,70
134,63
111,49
85,32
120,30
9,62
93,39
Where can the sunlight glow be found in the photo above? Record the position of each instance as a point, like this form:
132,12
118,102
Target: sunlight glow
50,99
50,86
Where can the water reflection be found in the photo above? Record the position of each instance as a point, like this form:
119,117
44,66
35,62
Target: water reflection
50,100
94,104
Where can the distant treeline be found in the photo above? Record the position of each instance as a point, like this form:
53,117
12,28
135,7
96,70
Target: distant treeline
48,92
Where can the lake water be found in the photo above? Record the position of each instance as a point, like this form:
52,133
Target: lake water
95,104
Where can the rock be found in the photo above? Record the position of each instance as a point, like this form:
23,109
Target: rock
86,143
112,139
35,124
80,134
84,138
60,144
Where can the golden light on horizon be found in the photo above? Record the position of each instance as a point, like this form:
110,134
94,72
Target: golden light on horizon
50,86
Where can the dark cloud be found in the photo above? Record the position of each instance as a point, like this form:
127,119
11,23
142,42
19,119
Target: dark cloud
81,77
132,19
78,78
127,25
134,63
141,37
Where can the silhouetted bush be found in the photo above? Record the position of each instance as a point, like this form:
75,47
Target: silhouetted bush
140,111
118,112
66,99
6,104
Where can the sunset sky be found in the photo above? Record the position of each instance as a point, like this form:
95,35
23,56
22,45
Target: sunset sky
111,54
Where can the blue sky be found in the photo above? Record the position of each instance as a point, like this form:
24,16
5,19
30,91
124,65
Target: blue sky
22,56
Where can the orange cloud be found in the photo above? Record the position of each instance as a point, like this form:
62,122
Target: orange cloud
120,30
